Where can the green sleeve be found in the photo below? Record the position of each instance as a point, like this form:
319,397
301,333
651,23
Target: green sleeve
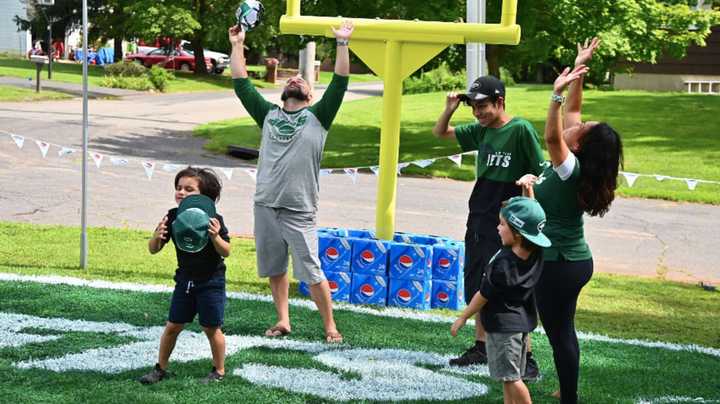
328,106
465,135
255,104
533,151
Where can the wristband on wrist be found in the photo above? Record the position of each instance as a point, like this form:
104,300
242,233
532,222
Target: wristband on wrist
342,42
557,98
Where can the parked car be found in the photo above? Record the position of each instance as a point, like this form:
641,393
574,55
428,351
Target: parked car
175,59
220,61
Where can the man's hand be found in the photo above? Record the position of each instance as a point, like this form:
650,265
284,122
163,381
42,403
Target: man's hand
452,101
585,51
567,77
456,326
236,35
344,32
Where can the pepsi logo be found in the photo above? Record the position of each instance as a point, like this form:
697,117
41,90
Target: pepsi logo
333,286
367,290
367,256
444,263
332,253
443,297
404,295
406,261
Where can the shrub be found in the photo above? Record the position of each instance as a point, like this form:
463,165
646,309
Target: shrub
440,79
159,77
125,69
130,83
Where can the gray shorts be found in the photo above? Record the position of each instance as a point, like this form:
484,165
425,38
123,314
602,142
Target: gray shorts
507,354
276,230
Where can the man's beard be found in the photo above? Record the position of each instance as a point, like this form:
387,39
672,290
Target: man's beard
293,92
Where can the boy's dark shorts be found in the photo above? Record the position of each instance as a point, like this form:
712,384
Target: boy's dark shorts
204,298
481,243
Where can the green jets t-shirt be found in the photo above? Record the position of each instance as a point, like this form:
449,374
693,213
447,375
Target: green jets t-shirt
564,225
504,154
291,146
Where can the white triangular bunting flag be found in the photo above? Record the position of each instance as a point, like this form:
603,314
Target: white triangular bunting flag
97,158
401,166
630,178
353,173
19,140
375,169
691,184
423,163
149,167
65,151
660,177
171,168
457,159
228,171
252,172
44,147
325,171
119,161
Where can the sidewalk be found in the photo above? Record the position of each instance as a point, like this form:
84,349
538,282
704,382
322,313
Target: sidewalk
67,88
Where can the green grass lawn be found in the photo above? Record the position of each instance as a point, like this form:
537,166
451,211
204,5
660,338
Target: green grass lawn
618,306
673,134
11,93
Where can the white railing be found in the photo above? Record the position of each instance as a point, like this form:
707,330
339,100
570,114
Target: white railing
703,86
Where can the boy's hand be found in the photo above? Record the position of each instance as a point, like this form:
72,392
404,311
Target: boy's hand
236,35
452,101
526,181
161,230
456,326
214,228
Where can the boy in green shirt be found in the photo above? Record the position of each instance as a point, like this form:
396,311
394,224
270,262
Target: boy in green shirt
507,147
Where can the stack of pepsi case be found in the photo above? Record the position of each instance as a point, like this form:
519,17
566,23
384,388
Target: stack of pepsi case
411,271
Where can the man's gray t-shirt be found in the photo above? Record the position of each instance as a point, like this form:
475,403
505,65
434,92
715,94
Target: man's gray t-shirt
291,146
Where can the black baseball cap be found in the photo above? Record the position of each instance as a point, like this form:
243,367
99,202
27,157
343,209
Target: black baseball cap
484,87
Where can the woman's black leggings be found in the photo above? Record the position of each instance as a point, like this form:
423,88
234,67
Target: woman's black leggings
556,294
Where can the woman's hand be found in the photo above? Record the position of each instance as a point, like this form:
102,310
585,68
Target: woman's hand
585,51
344,32
567,77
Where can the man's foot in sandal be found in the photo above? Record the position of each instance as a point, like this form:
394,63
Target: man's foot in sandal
278,330
333,337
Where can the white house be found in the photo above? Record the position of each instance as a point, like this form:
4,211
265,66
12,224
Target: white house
12,40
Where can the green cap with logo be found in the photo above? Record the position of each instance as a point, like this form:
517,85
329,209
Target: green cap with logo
527,217
190,228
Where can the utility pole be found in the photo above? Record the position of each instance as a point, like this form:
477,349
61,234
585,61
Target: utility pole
475,65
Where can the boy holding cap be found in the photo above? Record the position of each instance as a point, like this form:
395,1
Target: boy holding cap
201,244
505,300
507,148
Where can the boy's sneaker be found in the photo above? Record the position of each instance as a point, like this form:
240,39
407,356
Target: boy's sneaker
213,376
532,371
155,375
473,356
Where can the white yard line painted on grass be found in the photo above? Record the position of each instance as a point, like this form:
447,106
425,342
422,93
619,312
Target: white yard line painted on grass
308,304
675,399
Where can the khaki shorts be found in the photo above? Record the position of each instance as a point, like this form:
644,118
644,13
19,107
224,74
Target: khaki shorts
278,230
507,354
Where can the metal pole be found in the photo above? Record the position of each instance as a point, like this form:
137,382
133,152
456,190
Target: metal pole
83,210
51,50
389,142
475,52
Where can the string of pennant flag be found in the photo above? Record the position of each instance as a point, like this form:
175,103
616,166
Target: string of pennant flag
150,166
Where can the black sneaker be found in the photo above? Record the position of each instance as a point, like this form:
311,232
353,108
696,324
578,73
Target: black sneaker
213,376
532,371
473,356
155,375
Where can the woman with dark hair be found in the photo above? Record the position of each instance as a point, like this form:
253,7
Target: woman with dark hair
582,178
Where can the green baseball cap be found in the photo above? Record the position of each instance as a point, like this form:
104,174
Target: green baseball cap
526,216
190,228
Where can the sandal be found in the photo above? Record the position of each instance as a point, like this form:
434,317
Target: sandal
277,331
333,337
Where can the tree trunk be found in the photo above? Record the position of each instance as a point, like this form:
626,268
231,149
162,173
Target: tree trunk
118,50
492,55
198,40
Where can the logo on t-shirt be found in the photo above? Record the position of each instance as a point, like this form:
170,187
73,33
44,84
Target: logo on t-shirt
283,130
499,159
